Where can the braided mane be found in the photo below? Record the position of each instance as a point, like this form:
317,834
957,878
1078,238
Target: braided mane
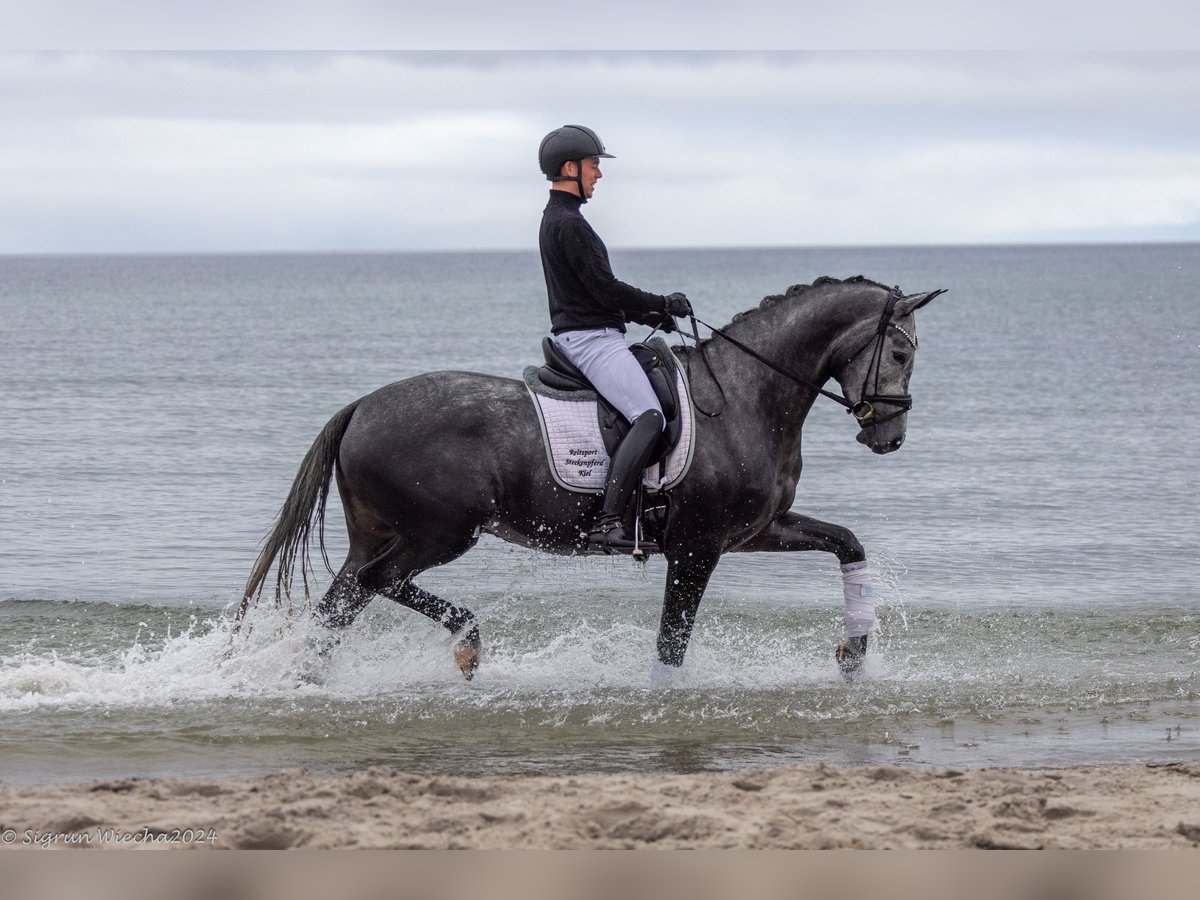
797,291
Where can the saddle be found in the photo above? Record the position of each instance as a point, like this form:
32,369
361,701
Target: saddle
561,374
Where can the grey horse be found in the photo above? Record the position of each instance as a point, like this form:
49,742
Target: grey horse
426,465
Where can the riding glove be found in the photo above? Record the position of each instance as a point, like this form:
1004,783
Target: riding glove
678,305
664,323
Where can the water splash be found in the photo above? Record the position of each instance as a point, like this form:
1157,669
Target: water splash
560,679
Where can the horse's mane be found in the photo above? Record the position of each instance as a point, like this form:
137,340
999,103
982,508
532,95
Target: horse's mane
796,291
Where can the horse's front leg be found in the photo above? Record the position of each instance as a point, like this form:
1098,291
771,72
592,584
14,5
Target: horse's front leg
688,572
794,532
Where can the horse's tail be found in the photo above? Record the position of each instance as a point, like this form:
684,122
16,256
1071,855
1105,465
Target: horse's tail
304,506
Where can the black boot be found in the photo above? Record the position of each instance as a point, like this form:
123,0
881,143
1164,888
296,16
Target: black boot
628,463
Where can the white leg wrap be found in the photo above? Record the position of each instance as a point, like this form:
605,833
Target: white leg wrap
860,598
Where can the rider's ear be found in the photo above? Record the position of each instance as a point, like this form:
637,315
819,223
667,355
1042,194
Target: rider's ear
913,302
569,169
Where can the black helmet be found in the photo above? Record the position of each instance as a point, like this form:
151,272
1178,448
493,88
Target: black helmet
571,142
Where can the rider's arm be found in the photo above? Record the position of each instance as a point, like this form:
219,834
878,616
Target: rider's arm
588,256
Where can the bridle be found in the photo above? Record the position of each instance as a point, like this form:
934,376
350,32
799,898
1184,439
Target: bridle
864,410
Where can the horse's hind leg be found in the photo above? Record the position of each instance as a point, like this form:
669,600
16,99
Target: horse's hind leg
458,620
358,582
350,592
346,598
392,574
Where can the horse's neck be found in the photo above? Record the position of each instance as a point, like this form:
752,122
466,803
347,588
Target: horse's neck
799,336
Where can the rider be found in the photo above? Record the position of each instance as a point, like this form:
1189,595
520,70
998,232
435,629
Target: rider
588,311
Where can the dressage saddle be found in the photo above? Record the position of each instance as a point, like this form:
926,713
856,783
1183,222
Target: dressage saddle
561,374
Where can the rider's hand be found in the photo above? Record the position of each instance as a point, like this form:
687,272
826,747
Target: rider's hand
678,305
664,323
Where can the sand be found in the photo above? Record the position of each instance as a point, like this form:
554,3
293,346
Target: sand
803,807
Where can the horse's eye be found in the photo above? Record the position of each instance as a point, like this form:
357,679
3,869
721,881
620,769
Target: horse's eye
900,356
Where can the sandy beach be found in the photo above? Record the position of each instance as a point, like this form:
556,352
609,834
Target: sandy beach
790,807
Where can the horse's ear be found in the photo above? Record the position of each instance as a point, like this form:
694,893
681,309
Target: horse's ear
913,302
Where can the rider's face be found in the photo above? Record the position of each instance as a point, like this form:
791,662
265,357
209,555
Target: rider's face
591,174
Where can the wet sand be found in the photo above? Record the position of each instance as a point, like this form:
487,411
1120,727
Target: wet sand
789,807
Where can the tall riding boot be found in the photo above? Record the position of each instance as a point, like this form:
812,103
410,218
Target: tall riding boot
628,463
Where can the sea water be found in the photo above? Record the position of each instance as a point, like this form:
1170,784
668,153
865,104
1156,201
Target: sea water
1035,539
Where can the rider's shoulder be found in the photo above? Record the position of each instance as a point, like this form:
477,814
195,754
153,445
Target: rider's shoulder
568,221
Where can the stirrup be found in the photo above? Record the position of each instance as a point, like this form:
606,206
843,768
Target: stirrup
611,537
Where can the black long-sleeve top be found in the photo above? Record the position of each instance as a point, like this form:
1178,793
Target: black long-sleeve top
582,289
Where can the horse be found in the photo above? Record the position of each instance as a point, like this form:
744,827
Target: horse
407,510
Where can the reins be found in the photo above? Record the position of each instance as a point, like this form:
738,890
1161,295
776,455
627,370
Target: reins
837,398
864,409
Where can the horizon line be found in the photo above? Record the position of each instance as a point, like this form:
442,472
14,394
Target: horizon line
997,245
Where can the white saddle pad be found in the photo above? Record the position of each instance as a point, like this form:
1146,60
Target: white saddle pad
575,447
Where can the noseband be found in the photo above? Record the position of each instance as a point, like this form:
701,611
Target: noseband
864,409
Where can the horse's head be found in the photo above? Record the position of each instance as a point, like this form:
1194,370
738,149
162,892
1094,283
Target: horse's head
877,359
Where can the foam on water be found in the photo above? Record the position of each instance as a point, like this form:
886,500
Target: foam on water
544,657
388,653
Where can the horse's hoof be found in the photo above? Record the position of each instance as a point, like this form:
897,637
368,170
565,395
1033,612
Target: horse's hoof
315,659
310,676
466,653
850,654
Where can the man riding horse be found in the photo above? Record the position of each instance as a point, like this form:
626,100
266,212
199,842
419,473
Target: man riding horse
589,307
407,512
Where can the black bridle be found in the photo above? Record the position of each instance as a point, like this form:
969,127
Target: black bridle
864,409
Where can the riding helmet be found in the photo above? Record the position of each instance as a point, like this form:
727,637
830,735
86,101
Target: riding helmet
571,142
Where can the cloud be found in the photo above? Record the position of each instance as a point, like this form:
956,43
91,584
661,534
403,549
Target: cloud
459,25
342,87
148,152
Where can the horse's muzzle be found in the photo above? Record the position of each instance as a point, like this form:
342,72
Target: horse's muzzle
866,438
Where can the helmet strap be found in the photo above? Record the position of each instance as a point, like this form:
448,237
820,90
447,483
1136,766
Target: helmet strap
579,180
577,177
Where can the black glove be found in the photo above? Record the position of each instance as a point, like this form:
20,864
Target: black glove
678,305
663,323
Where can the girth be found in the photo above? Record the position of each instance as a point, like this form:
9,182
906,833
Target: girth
562,375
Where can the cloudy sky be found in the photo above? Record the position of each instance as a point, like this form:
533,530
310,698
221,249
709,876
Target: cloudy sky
249,151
